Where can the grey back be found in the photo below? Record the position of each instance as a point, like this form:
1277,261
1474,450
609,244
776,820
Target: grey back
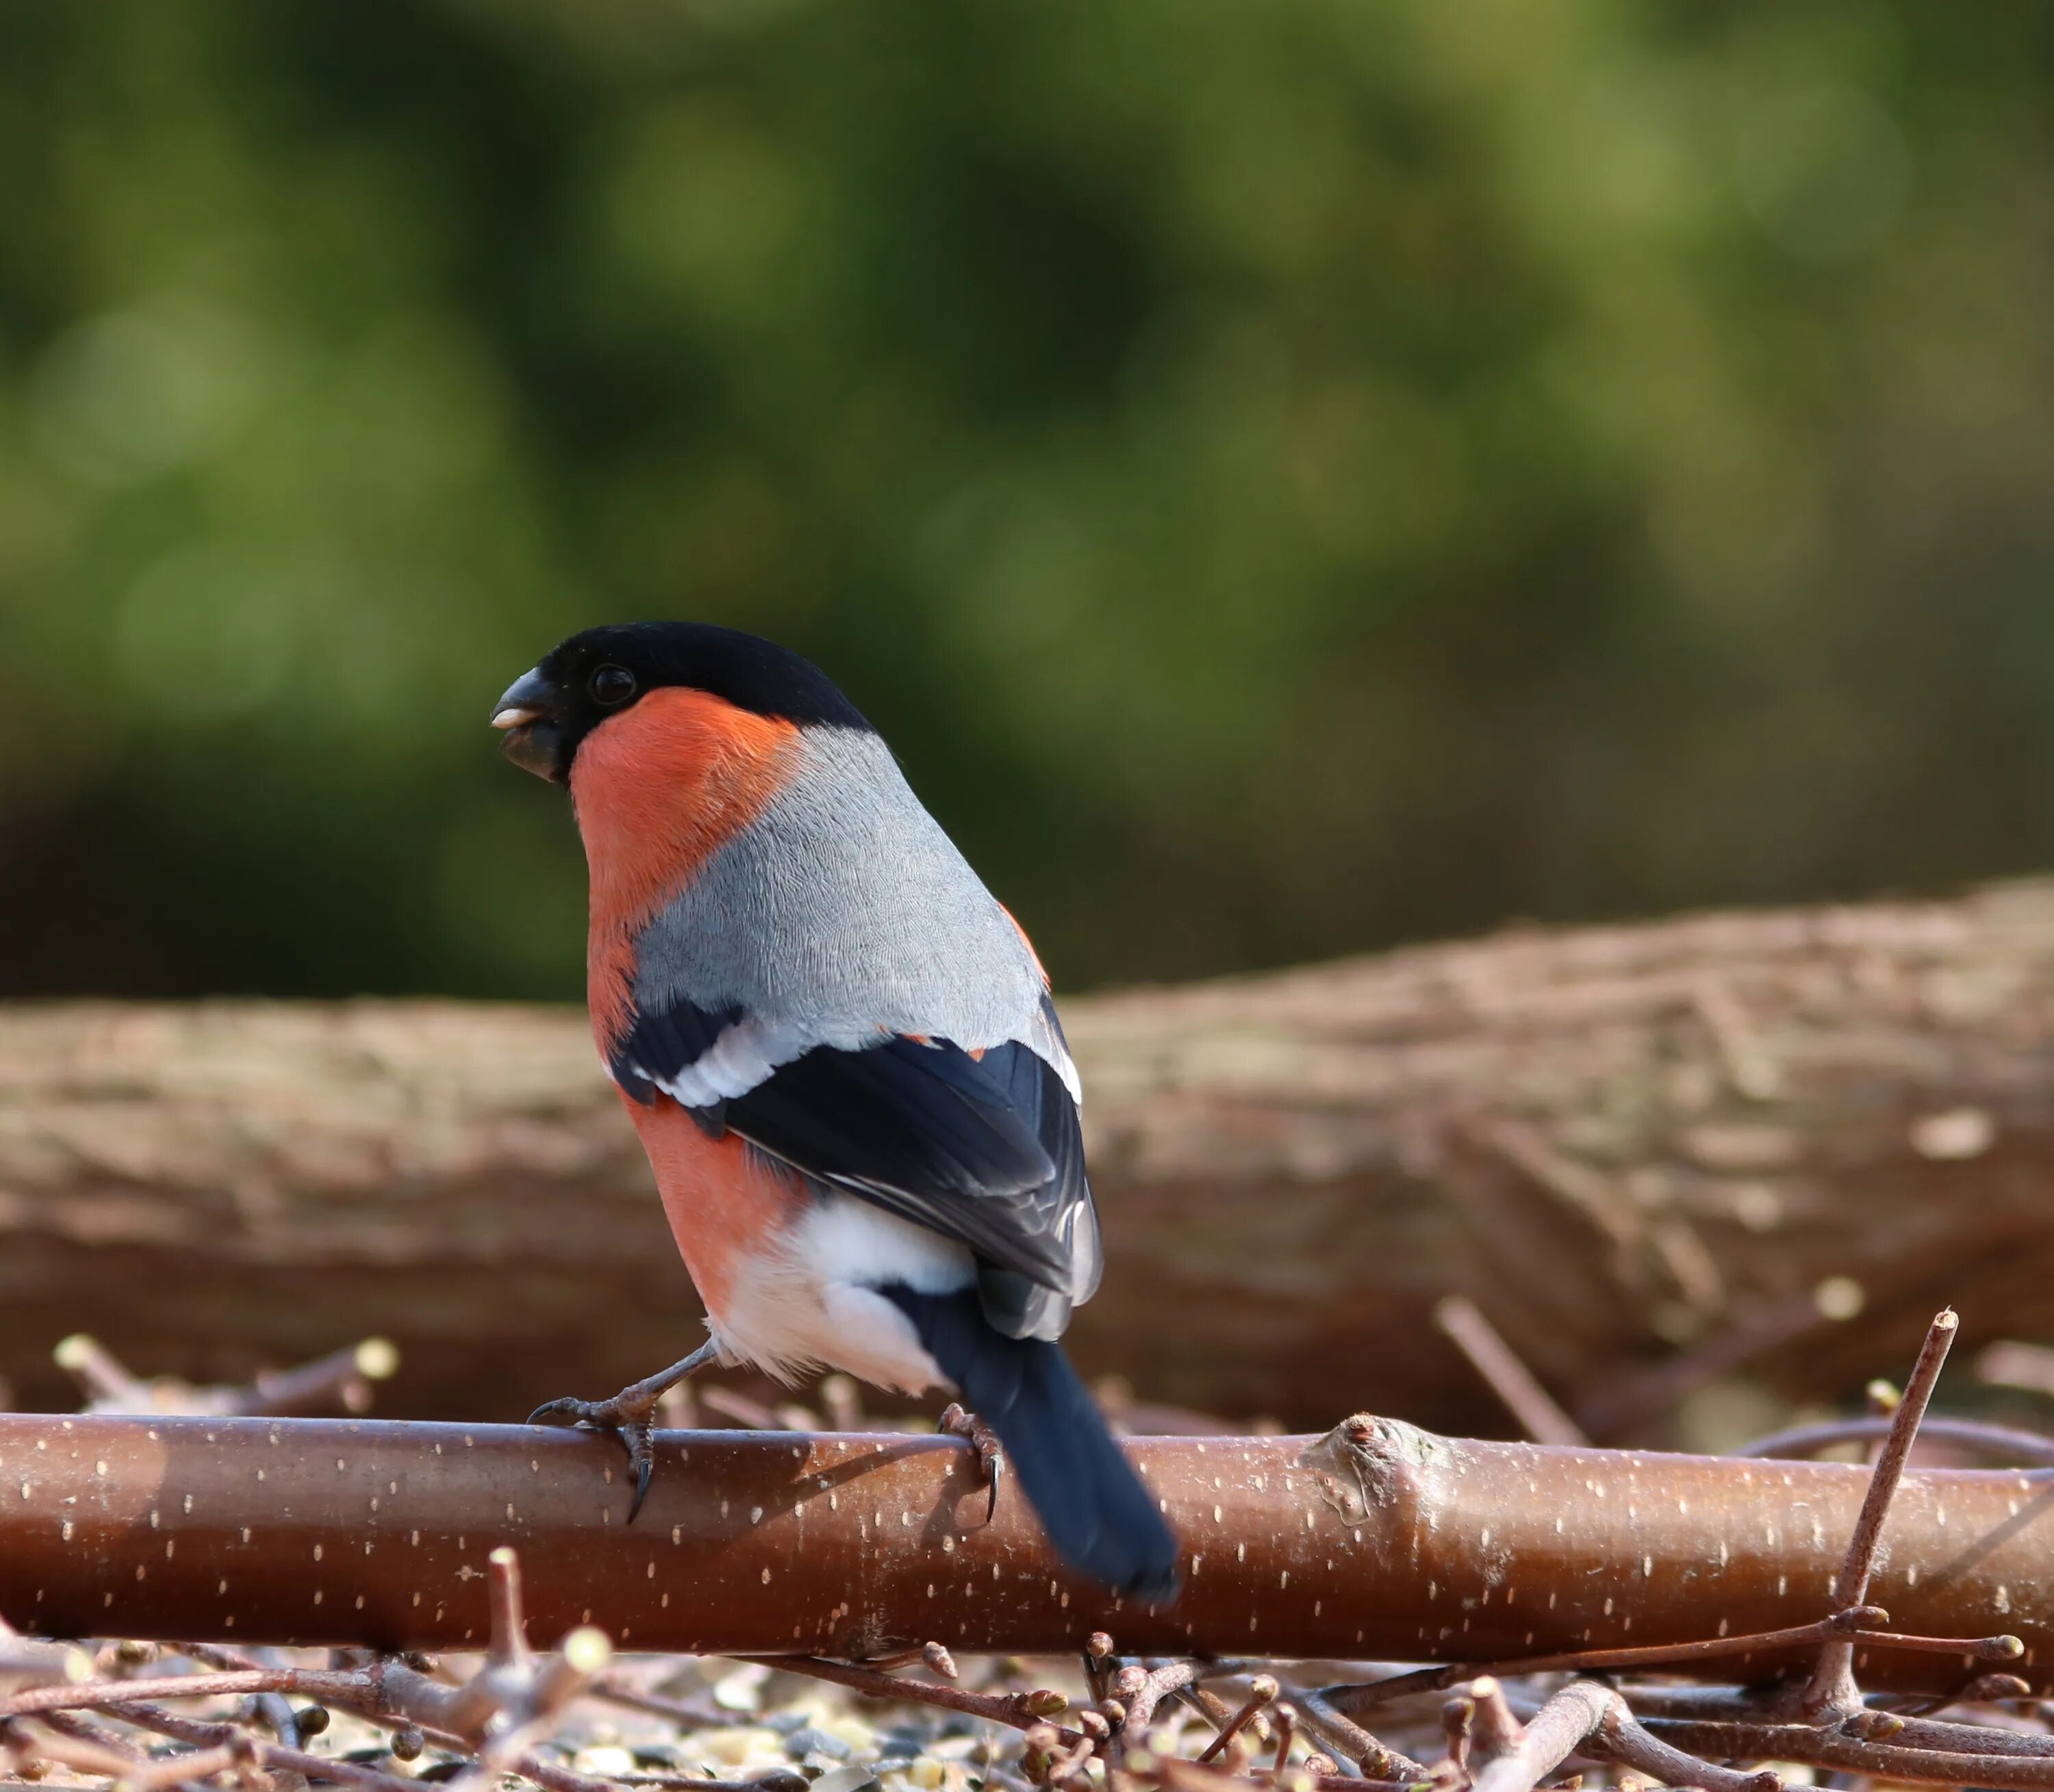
842,912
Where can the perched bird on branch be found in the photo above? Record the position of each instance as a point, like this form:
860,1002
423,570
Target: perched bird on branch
841,1055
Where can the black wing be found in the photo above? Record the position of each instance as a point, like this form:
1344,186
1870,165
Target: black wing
984,1149
926,1132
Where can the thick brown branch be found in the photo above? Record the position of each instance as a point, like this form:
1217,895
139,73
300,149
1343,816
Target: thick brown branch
1376,1541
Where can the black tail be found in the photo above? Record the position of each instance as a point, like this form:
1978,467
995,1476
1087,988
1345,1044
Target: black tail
1097,1512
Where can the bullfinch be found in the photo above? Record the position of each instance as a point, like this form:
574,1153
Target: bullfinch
841,1055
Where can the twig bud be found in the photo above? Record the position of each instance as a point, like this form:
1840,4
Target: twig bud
1455,1715
1284,1714
509,1637
1494,1730
1039,1746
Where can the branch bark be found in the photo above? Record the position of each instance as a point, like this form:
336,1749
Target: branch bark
1375,1540
1617,1141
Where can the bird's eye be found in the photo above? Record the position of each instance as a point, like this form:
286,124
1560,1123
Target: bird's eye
611,685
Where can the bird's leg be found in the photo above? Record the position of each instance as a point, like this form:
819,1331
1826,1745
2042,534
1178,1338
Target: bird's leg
631,1415
984,1440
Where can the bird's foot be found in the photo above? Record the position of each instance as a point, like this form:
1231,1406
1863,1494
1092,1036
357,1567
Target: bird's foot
633,1422
958,1422
630,1416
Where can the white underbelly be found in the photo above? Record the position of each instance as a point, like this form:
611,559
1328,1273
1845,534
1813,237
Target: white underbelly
814,1301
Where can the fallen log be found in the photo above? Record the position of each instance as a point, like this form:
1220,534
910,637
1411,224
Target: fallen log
1374,1540
1618,1141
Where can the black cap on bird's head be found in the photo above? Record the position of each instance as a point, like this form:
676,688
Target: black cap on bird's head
592,676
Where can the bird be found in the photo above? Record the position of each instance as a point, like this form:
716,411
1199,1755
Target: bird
842,1058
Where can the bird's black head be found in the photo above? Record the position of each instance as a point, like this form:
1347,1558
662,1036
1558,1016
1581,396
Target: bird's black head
591,676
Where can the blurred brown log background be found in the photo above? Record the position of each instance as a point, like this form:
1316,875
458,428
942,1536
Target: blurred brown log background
1622,1142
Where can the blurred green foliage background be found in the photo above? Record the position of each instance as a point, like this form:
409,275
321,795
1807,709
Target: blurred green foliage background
1287,476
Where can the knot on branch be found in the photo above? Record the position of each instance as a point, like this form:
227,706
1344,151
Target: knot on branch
1361,1464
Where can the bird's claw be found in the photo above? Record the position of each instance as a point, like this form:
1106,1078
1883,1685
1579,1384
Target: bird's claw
990,1454
630,1415
632,1423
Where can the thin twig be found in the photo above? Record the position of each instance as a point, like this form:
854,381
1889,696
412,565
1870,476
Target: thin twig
1375,1759
509,1644
616,1691
2005,1647
1620,1737
83,1757
2025,1447
1261,1692
1629,1403
325,1685
1831,1688
1493,1730
1462,1322
29,1661
1962,1738
1829,1747
1141,1690
1552,1736
1984,1689
1366,1697
203,1733
1285,1717
1022,1710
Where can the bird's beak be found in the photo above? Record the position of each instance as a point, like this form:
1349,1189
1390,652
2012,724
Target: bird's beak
522,701
532,739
